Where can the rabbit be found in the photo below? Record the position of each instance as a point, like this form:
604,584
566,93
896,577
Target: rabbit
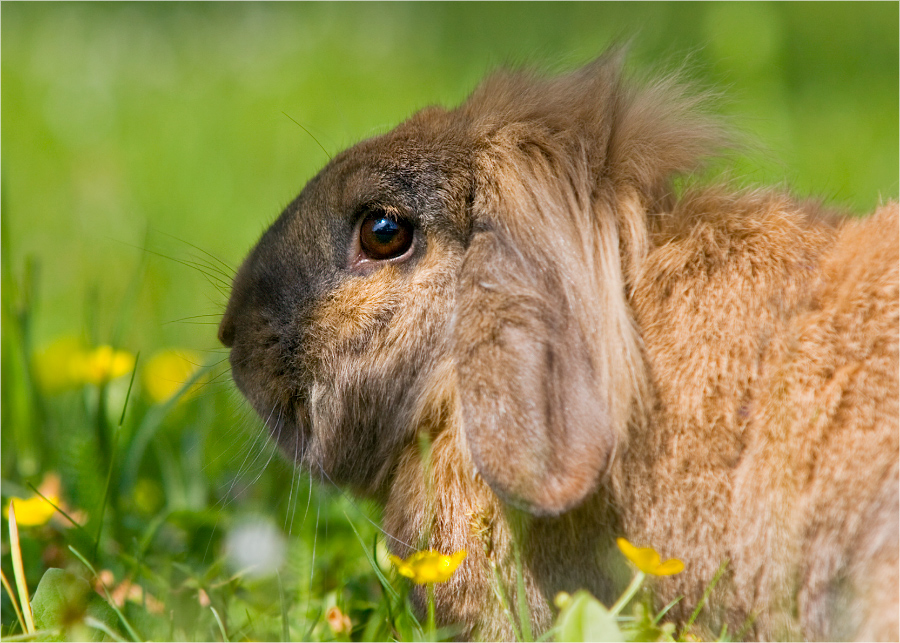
524,330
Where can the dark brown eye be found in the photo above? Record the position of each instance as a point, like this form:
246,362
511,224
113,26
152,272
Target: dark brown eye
382,237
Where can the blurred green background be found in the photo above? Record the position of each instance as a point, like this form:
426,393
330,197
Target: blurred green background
142,143
148,127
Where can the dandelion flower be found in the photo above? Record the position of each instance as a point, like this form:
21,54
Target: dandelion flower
647,560
429,566
167,371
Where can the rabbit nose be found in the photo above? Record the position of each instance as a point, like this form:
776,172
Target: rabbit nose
226,331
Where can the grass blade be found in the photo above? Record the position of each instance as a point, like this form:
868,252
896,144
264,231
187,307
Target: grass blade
75,524
522,598
147,429
500,593
102,512
137,358
285,626
220,623
134,635
19,568
114,450
131,295
37,635
12,599
387,599
90,621
665,610
712,585
381,577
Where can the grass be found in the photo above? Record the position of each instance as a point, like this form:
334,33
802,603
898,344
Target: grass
147,146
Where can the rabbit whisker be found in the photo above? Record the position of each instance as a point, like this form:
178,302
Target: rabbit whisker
259,439
295,489
224,264
234,439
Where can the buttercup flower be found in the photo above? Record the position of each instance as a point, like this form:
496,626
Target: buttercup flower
647,560
34,511
429,566
56,365
104,363
67,363
166,372
31,512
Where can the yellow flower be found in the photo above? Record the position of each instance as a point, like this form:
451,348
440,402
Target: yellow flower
166,372
35,511
31,512
55,366
647,560
66,363
429,566
103,363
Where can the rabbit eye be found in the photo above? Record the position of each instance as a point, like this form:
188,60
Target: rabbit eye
382,237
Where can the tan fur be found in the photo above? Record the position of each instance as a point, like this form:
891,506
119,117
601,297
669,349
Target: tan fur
574,352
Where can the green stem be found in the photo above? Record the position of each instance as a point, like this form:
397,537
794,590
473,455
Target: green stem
504,601
431,627
629,593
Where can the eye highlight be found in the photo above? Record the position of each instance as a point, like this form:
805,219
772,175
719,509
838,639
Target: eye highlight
384,237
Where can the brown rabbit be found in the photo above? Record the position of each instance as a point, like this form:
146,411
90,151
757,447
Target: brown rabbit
590,353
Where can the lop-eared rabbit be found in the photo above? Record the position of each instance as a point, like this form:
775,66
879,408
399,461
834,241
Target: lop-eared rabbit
589,347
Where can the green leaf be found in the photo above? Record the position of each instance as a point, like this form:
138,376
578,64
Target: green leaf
584,618
63,601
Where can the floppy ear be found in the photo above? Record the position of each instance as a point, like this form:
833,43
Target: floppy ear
542,343
549,362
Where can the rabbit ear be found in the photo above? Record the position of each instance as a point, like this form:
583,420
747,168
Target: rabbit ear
547,359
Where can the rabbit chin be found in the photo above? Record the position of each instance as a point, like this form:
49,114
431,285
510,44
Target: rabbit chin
325,448
291,428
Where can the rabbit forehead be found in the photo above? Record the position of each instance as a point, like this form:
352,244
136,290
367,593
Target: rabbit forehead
421,168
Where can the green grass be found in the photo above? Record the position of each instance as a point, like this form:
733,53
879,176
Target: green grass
144,143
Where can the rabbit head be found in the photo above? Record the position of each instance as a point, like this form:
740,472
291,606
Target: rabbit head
475,260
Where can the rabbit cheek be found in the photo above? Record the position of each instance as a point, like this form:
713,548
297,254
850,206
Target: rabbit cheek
350,313
376,341
358,403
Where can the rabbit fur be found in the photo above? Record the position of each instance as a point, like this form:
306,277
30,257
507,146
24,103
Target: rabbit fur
576,347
